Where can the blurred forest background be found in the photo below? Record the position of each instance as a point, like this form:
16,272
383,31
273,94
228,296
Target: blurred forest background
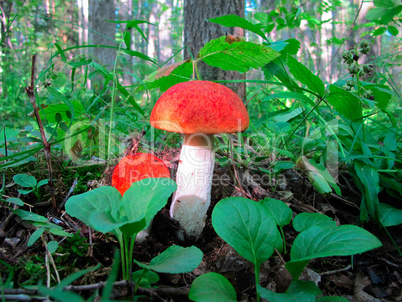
324,28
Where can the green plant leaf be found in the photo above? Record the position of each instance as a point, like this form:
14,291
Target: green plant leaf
298,290
212,287
148,278
236,21
25,215
303,221
129,229
105,222
35,236
52,246
25,192
393,30
319,241
322,170
279,210
42,183
239,56
16,201
175,260
247,226
305,76
345,103
389,216
58,232
145,198
101,199
26,181
370,180
130,99
314,175
60,97
61,52
169,75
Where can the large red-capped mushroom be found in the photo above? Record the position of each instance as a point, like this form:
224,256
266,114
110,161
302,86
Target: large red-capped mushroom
199,110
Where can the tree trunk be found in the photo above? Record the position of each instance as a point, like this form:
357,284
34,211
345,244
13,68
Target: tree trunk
198,31
99,12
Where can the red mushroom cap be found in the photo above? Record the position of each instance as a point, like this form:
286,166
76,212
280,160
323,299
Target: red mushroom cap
136,167
200,107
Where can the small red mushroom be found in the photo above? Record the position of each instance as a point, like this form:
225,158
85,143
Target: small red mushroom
136,167
198,109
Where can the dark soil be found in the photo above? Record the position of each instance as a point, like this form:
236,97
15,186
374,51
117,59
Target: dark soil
372,276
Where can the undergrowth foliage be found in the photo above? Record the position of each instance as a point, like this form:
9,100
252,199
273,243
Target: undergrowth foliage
319,128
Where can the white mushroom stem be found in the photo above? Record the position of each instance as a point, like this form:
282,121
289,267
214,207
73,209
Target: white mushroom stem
194,179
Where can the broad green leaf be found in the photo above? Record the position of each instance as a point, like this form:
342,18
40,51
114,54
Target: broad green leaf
25,192
11,135
16,201
42,183
382,94
52,246
101,199
175,260
129,229
305,76
147,278
105,222
26,181
345,103
169,75
279,210
389,216
236,21
247,226
212,287
51,111
25,215
319,241
303,221
58,232
59,96
239,56
298,290
393,30
289,115
290,46
146,198
370,180
35,236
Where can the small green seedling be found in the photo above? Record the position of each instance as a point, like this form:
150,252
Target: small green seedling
28,181
251,228
42,225
106,211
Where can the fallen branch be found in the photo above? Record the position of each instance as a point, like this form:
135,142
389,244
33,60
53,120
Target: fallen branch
31,294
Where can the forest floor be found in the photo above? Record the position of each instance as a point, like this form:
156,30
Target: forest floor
372,276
